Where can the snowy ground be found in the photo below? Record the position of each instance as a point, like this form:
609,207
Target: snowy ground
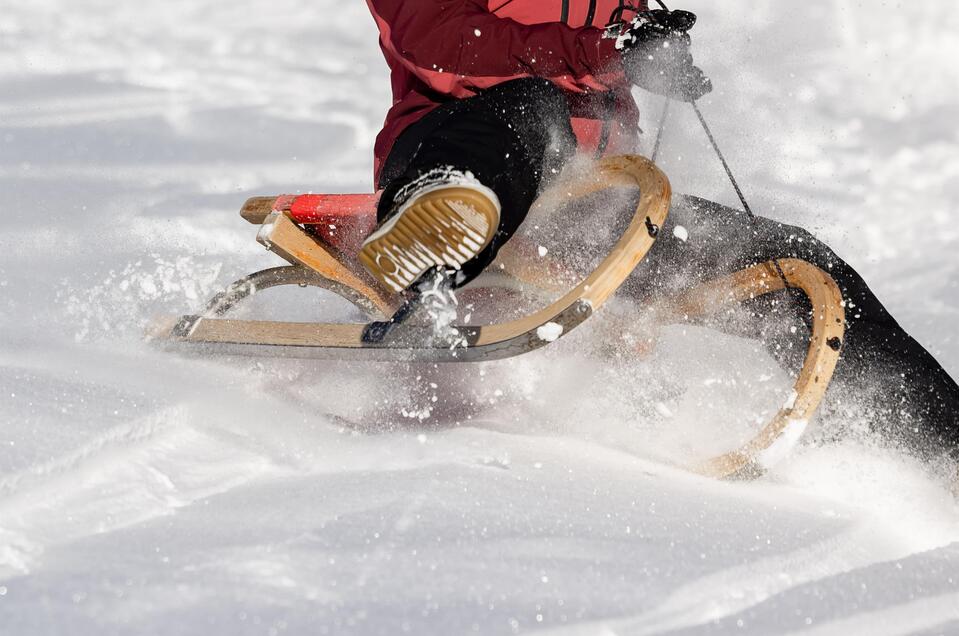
144,493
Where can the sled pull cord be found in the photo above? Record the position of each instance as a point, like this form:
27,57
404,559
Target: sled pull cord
722,159
659,131
732,180
712,140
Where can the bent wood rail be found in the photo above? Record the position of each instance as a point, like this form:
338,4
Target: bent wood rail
778,437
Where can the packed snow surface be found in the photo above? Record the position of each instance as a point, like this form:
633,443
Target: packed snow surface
148,493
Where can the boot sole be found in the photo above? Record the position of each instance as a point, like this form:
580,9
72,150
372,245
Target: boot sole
445,227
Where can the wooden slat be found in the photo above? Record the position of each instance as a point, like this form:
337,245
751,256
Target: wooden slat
288,240
344,342
293,334
256,209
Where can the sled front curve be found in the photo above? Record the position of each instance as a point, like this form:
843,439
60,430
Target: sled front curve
488,342
776,439
265,279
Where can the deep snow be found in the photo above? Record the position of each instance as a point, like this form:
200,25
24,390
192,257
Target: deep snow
144,493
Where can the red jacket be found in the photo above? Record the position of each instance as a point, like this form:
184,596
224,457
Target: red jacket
440,50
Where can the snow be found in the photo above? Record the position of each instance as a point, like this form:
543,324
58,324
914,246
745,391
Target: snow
147,493
779,450
550,332
791,400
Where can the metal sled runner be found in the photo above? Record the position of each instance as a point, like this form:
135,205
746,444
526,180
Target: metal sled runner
319,235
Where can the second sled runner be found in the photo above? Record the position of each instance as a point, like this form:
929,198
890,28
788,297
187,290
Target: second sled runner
320,235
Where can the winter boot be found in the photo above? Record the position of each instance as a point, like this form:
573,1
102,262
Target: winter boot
441,220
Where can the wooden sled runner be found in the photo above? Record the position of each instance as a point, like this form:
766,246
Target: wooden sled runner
319,235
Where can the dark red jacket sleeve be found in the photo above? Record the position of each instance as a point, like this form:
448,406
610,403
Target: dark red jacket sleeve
458,47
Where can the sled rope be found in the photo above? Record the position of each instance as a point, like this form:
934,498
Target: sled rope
659,131
722,160
732,180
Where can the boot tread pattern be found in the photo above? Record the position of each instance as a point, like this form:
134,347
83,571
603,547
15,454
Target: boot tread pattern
445,227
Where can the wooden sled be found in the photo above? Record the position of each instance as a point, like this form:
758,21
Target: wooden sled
319,235
304,231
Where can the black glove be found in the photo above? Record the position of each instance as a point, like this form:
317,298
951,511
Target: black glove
655,49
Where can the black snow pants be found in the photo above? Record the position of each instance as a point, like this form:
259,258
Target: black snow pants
911,399
516,136
512,137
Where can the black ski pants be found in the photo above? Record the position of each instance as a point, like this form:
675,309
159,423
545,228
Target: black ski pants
906,393
513,137
516,136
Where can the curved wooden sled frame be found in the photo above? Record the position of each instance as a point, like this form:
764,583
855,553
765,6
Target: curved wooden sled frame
313,265
489,342
282,276
777,438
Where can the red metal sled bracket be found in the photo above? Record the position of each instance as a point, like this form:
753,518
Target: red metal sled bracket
341,221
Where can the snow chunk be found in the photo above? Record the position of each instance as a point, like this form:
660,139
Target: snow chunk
791,400
477,32
543,251
663,410
681,233
148,286
550,332
783,445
